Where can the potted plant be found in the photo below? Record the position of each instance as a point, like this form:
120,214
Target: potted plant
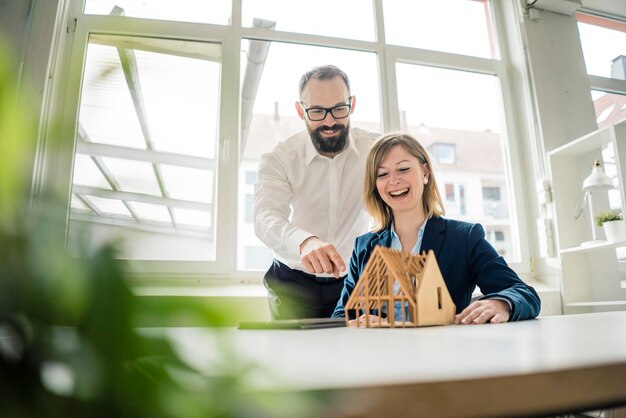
613,224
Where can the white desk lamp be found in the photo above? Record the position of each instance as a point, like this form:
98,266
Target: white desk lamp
596,181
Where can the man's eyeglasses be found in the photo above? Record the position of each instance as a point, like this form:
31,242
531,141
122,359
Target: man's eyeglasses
317,114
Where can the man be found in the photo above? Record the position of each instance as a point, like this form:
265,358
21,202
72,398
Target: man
308,200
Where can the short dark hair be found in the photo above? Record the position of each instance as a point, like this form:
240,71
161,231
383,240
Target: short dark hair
323,72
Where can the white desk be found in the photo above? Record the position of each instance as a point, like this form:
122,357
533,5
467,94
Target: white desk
539,367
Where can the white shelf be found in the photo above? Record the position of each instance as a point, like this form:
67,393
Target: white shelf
585,144
591,279
598,303
595,247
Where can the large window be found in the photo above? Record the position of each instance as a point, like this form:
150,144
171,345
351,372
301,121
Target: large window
271,117
604,47
456,115
146,145
176,102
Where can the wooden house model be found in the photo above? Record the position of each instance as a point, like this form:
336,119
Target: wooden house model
394,279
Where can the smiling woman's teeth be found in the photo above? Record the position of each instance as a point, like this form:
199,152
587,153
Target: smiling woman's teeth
399,192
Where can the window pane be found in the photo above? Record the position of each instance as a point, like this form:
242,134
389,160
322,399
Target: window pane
86,173
151,212
610,108
250,177
353,19
192,217
257,258
106,98
201,11
179,187
458,26
147,142
268,115
472,127
108,206
604,45
133,176
249,208
79,205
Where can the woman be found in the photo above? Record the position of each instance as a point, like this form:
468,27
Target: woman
402,197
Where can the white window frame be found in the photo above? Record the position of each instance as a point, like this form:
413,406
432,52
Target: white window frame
58,176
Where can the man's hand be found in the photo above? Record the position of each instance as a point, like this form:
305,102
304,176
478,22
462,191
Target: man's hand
482,311
321,257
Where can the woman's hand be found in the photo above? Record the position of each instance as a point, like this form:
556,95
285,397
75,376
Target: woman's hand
485,310
361,321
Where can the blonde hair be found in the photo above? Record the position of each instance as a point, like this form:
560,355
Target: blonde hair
380,211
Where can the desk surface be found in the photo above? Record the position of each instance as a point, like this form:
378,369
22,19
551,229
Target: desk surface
551,364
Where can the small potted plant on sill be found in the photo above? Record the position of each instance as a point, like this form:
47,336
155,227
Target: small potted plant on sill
613,224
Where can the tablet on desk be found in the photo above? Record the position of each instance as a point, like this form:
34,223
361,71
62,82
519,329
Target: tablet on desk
305,323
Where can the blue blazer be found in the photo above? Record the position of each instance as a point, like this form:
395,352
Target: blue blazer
466,260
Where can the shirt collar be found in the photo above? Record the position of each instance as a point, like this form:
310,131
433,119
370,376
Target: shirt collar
311,152
395,239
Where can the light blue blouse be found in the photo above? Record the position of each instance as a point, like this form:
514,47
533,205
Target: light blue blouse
396,245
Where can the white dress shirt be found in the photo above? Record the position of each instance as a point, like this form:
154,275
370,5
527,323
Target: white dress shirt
300,193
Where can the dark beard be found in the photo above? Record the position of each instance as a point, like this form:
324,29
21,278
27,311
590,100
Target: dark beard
332,145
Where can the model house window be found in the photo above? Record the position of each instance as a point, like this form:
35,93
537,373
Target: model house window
176,103
603,41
